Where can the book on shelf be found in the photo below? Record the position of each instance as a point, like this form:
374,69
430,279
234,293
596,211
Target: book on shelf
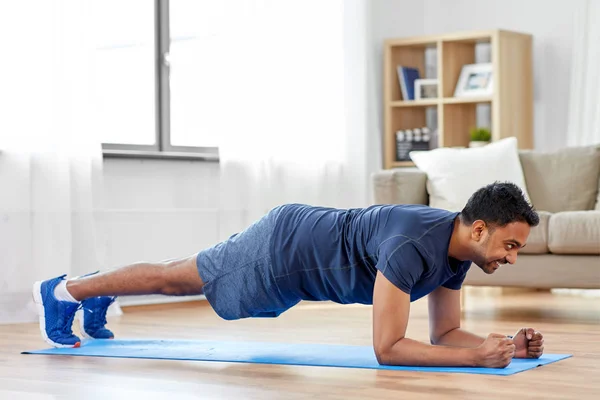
407,77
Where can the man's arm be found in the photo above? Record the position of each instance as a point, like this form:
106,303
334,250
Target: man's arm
391,308
444,320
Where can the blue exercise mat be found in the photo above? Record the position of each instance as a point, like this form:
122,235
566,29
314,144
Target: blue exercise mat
323,355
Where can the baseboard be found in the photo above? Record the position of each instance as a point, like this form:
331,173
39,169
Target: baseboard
17,307
156,299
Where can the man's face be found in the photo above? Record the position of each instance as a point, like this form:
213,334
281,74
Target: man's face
494,247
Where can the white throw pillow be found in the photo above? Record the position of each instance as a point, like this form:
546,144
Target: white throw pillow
455,174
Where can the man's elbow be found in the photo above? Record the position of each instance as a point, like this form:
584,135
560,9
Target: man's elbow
381,356
384,354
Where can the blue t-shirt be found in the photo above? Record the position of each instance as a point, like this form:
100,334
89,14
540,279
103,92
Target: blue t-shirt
332,254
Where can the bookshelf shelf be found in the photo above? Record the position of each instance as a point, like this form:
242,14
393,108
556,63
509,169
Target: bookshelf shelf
510,106
460,100
415,103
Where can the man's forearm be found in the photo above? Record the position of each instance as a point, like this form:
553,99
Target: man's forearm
460,338
411,352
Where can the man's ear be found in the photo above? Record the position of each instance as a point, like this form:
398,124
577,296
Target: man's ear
478,228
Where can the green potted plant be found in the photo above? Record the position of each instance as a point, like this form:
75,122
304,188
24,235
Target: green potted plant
480,137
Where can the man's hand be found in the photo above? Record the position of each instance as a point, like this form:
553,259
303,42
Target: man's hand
529,343
495,352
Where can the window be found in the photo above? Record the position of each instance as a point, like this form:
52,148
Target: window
153,87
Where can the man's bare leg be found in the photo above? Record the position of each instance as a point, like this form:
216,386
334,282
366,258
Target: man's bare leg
174,278
94,294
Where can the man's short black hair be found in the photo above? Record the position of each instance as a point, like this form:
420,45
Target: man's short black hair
499,204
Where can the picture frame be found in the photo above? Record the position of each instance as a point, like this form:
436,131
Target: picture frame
426,89
475,80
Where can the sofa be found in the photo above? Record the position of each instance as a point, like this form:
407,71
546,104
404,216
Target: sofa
563,251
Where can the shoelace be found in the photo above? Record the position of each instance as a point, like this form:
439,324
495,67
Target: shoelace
70,310
96,322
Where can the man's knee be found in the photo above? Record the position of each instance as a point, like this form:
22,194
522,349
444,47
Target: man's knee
180,277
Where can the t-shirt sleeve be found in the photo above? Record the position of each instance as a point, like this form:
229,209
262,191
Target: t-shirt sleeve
455,283
401,263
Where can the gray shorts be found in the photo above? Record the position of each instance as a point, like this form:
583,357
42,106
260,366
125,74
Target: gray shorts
238,274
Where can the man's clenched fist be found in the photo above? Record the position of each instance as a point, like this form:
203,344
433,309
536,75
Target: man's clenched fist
529,343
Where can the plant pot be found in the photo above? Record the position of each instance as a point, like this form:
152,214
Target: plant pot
477,143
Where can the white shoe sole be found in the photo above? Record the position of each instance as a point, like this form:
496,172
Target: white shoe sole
37,298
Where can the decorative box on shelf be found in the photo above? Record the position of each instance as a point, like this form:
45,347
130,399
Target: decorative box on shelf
408,140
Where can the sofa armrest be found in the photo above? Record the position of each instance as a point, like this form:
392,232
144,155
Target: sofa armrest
400,186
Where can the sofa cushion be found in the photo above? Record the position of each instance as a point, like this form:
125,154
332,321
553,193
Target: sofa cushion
574,232
537,243
453,175
566,180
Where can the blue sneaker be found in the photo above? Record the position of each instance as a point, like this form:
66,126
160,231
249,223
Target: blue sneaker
92,318
56,317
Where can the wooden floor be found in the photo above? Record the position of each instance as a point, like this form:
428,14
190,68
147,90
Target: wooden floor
570,324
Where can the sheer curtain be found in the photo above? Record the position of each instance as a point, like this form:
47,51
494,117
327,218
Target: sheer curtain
50,161
584,105
285,88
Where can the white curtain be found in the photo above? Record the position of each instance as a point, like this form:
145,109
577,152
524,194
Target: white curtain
584,101
291,99
584,104
50,159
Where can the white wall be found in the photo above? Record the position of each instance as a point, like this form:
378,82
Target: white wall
551,22
388,19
